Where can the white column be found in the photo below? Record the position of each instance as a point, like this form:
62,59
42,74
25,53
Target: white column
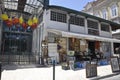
68,21
40,45
112,49
110,30
33,41
99,27
36,40
86,26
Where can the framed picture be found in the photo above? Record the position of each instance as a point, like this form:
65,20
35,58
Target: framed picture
91,70
115,64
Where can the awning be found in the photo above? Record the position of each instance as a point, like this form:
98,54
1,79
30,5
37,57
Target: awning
83,36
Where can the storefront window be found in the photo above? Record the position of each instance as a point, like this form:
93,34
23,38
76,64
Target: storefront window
106,49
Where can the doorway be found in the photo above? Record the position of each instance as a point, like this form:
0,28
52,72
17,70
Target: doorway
91,48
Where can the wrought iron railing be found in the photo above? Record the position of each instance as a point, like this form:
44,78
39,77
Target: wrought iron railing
20,58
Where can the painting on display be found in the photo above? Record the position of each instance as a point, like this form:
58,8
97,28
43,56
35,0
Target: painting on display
115,64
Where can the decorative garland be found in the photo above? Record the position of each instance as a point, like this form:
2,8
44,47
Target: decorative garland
32,22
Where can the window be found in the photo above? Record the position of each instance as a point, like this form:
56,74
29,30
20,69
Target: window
105,27
104,13
114,11
77,21
93,32
55,16
93,27
92,24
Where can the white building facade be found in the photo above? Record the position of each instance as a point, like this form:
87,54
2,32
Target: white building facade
107,9
63,30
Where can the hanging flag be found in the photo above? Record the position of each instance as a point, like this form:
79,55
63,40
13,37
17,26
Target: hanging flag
35,20
21,20
9,22
15,21
33,26
30,22
24,25
4,17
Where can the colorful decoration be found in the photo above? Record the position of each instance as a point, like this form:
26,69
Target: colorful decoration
4,17
35,20
15,21
34,26
9,22
21,20
24,25
30,22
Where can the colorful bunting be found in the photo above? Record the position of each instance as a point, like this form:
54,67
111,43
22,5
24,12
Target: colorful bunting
4,17
21,20
24,25
32,22
9,22
35,20
15,21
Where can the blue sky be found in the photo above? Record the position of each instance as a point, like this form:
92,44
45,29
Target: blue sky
73,4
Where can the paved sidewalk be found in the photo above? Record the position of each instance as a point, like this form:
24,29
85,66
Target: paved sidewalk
45,73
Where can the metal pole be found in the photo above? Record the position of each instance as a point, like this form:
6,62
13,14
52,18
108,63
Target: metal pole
53,69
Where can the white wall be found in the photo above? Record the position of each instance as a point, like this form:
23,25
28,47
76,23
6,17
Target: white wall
58,25
105,34
54,24
73,28
62,26
77,29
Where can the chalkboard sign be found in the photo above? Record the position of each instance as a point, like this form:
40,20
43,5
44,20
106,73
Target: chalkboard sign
91,70
115,64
